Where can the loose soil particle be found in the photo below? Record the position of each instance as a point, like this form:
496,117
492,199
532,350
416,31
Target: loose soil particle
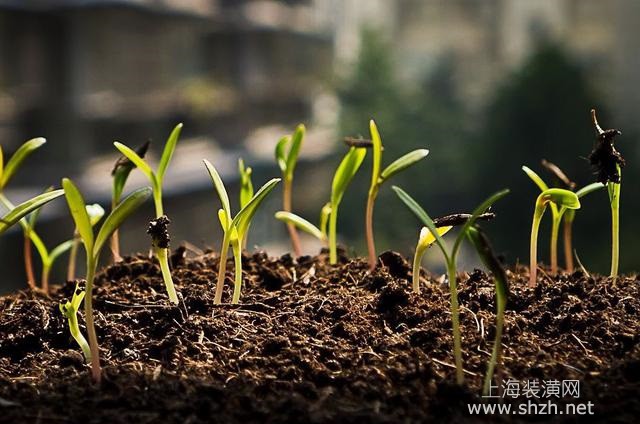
315,343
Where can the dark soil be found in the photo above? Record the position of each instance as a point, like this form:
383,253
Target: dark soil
314,343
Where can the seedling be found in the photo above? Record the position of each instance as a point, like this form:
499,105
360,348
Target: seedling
608,162
120,174
557,214
450,260
287,151
156,179
425,241
558,198
70,310
246,189
6,173
235,229
304,225
488,257
93,246
378,177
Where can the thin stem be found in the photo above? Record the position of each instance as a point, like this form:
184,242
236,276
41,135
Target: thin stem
73,255
115,237
614,197
371,246
286,206
46,270
78,337
555,229
163,259
222,270
495,353
533,251
28,262
417,260
157,199
88,312
455,321
333,224
568,244
237,258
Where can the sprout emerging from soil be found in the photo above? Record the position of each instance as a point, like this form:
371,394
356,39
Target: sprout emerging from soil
156,179
378,177
235,229
287,151
425,240
557,197
485,251
562,214
93,246
450,259
70,310
608,163
120,174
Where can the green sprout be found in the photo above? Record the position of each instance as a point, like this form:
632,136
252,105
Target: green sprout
608,162
450,260
378,177
318,232
560,215
485,251
156,179
235,229
287,151
95,212
93,246
246,189
6,173
120,174
557,197
425,241
70,310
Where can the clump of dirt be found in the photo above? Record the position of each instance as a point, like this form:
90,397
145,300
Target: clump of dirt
312,342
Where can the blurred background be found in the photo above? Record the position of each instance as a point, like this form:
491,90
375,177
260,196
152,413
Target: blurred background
486,85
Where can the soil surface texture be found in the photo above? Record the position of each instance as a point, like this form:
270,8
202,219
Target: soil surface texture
314,343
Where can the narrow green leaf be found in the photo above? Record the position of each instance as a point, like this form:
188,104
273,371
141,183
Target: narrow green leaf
589,189
33,217
561,197
345,173
243,218
422,216
535,178
301,223
14,162
294,151
59,250
77,207
403,163
121,171
281,156
324,217
23,209
219,186
167,153
137,160
377,154
246,185
488,257
118,215
225,223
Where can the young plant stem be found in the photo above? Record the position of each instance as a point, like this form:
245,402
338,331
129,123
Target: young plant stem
555,229
495,352
46,271
73,255
455,321
533,251
28,262
286,206
163,259
614,198
78,337
237,259
417,260
371,246
222,270
567,241
333,224
88,313
115,237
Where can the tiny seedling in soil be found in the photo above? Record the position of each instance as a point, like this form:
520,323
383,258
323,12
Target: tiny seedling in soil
120,174
287,151
378,177
450,260
558,215
93,246
558,198
156,178
70,310
608,163
485,251
235,229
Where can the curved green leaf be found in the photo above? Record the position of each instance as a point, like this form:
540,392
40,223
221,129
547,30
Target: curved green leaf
243,218
23,209
294,151
535,178
281,156
246,185
118,215
224,223
219,186
345,173
561,197
33,217
589,189
122,169
59,250
403,163
17,158
167,153
77,207
324,217
301,223
137,160
377,154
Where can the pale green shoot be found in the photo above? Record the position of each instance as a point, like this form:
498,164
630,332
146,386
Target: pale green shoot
70,310
425,241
